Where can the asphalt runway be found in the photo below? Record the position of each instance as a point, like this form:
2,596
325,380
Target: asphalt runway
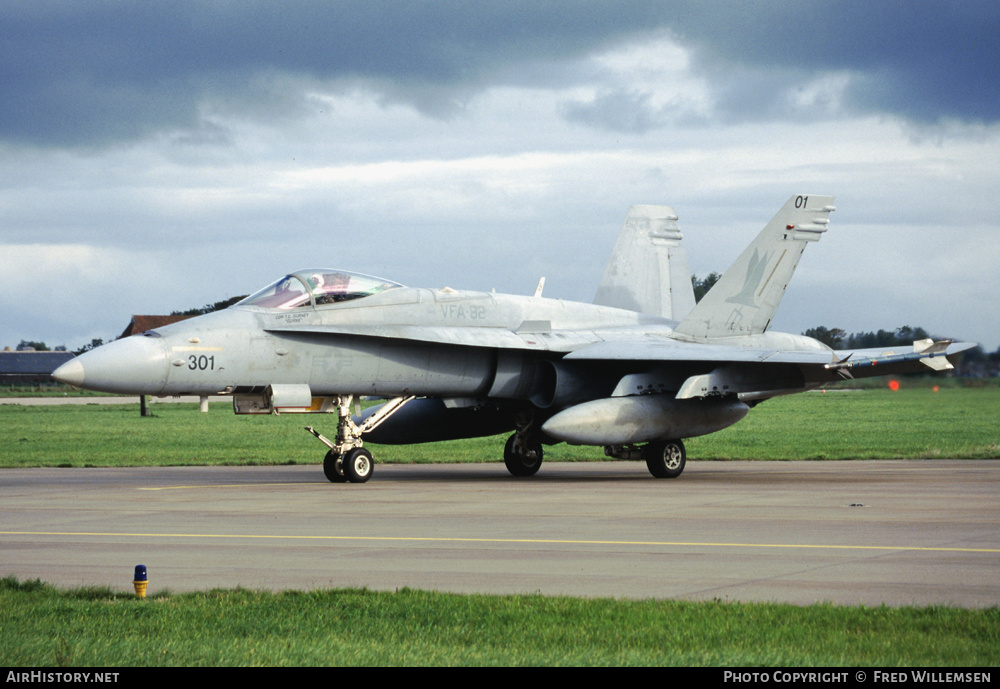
862,532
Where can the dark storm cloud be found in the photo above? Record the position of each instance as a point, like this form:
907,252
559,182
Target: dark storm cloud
925,61
101,71
98,72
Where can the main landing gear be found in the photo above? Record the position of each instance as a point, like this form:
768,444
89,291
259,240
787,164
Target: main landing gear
664,458
523,453
347,460
354,466
523,457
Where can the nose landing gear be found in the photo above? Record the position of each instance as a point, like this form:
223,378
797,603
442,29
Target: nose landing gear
347,460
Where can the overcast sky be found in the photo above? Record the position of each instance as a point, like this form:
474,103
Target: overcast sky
158,156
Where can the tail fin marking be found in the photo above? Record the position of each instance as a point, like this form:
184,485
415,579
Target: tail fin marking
745,298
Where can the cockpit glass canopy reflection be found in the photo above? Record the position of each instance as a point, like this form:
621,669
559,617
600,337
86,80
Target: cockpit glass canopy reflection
316,287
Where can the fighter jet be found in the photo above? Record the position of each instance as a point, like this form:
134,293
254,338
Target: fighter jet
636,372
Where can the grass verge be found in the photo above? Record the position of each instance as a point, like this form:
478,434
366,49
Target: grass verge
97,627
871,424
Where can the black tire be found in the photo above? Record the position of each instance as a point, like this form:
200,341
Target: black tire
358,465
522,465
665,458
333,467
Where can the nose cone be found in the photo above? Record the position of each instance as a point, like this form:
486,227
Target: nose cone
70,373
132,366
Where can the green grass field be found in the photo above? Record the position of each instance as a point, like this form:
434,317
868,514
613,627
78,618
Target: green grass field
869,424
96,627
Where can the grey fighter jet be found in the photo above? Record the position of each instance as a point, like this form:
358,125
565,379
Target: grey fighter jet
636,372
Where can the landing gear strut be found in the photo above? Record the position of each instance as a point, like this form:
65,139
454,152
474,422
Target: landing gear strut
347,460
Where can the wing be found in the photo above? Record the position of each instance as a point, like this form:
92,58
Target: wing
531,335
711,370
695,352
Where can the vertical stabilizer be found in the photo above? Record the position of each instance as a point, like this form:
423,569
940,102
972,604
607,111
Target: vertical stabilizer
745,298
648,270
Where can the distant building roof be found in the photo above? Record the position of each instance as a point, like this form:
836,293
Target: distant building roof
141,324
32,363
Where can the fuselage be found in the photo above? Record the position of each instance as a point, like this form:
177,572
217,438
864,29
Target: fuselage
412,341
327,347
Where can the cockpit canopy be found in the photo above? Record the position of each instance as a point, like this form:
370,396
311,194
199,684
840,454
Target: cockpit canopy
316,287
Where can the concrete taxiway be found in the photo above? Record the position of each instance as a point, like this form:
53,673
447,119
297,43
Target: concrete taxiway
863,532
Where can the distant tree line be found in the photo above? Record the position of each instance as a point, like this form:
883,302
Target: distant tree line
838,339
701,286
974,363
94,344
29,346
